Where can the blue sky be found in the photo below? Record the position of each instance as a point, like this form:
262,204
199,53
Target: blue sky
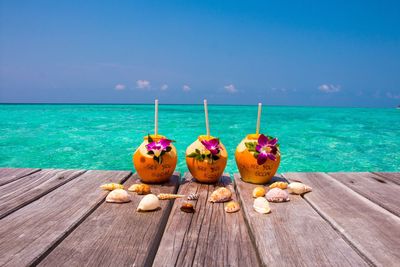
333,53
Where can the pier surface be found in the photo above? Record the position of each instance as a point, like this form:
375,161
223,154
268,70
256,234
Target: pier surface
55,217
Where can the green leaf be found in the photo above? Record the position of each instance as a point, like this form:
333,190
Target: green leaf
150,152
168,149
149,139
192,155
251,146
215,157
197,151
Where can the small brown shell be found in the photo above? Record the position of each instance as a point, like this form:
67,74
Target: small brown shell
232,206
169,196
259,191
187,207
281,185
111,186
277,195
140,189
222,194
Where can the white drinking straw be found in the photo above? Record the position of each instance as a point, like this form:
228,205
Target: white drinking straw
156,117
206,114
258,118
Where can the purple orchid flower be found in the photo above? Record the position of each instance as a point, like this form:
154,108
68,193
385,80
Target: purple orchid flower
266,148
158,147
212,145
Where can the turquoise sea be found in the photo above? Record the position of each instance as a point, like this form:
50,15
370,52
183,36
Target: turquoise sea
105,136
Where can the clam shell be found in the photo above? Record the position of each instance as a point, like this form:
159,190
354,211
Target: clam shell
281,185
277,195
261,205
148,203
140,189
298,188
232,206
259,191
222,194
118,196
111,186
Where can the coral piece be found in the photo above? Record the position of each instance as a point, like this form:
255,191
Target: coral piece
222,194
259,191
261,205
118,196
281,185
193,196
148,203
111,186
298,188
277,195
232,206
187,207
169,196
140,189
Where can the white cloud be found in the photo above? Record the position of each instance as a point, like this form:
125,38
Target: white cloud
393,96
186,88
120,87
329,88
164,87
230,88
142,84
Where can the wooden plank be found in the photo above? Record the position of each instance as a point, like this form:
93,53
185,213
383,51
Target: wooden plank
116,234
23,191
394,177
28,233
8,175
294,234
372,230
209,237
382,192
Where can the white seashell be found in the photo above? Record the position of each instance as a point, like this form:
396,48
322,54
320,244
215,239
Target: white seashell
298,188
277,195
261,205
148,203
220,195
118,196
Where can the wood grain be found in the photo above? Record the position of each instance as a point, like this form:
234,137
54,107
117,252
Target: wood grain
391,176
373,187
209,237
23,191
28,233
116,234
294,234
11,174
372,230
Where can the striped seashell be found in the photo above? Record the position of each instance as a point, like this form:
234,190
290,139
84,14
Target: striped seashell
169,196
281,185
193,196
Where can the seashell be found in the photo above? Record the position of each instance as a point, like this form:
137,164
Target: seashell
259,191
140,189
118,196
148,203
169,196
111,186
281,185
222,194
187,207
193,196
261,205
277,195
298,188
232,206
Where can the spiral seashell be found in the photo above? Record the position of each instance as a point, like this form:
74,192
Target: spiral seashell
140,189
111,186
222,194
298,188
277,195
232,206
261,205
118,196
281,185
148,203
193,196
169,196
259,191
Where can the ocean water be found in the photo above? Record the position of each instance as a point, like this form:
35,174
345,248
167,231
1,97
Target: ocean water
105,136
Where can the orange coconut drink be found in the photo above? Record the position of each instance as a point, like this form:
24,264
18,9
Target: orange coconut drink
258,156
155,159
206,157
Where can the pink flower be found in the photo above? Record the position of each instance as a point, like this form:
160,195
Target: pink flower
158,147
266,149
212,145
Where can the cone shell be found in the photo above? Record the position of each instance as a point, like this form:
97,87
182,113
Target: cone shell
118,196
261,205
281,185
140,189
259,191
232,206
169,196
148,203
277,195
298,188
222,194
111,186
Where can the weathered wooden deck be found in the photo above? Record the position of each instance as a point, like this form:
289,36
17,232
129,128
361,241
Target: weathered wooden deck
59,218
